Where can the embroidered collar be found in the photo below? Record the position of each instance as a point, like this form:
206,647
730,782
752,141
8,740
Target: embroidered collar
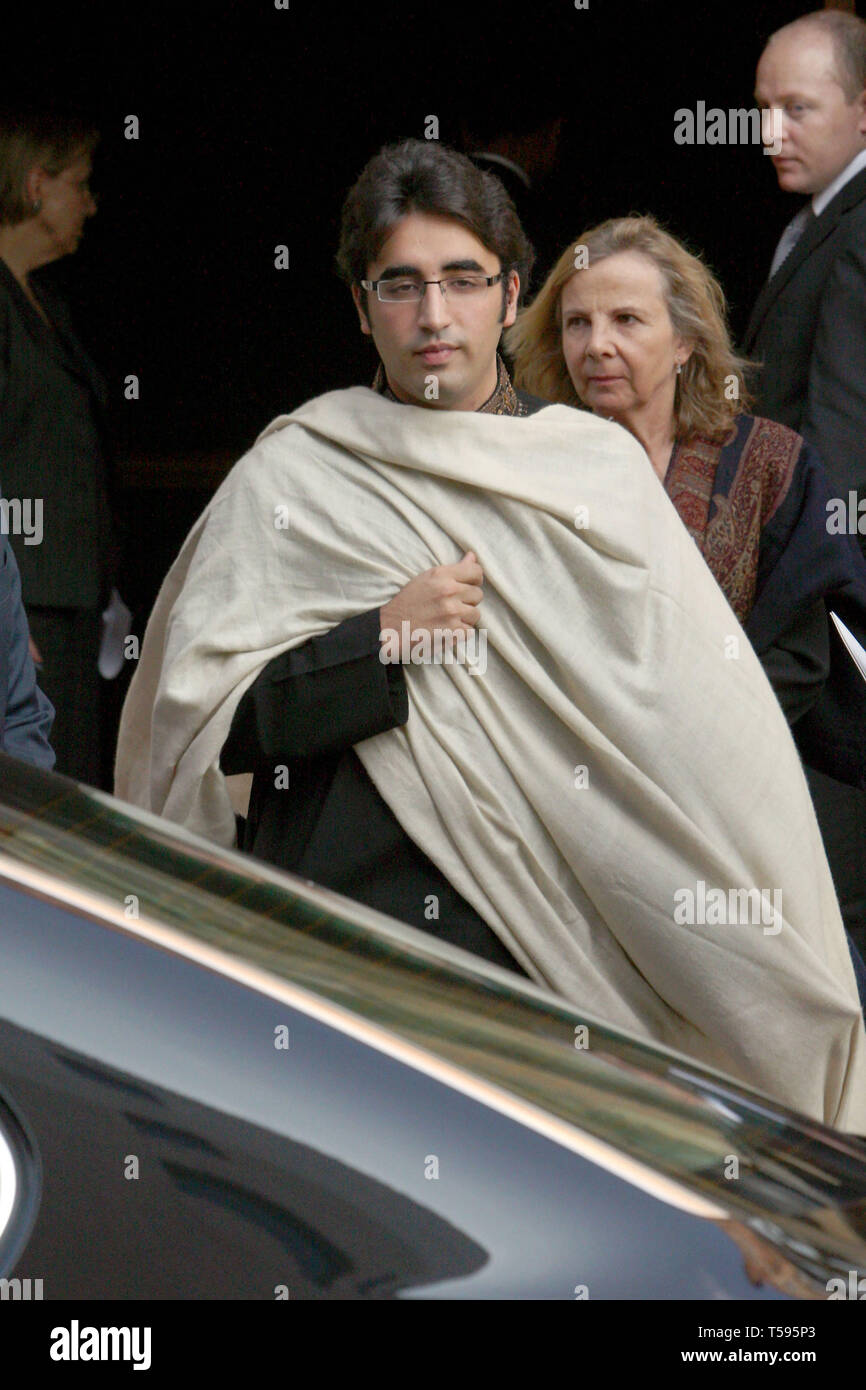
503,400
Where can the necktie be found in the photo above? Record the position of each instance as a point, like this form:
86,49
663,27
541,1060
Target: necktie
791,235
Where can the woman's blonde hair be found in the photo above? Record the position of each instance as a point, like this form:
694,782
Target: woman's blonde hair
711,389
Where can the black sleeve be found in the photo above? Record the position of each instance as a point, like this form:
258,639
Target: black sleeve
323,697
798,662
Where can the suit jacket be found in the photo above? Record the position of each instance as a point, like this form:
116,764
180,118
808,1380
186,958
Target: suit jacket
26,714
809,327
52,449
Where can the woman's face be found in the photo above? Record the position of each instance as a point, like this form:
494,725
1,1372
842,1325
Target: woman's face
66,204
618,341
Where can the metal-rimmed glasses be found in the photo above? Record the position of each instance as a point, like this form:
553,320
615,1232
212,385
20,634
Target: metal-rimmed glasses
400,290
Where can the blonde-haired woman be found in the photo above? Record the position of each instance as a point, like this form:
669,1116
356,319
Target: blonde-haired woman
53,428
679,332
631,325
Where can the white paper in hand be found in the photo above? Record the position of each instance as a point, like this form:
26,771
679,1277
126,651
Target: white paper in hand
116,623
857,652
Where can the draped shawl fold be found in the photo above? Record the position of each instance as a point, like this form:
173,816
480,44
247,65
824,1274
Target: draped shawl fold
622,751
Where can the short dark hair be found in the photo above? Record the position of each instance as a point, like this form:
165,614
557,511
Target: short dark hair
424,176
848,35
51,139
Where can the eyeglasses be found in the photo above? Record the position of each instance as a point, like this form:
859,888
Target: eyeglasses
412,291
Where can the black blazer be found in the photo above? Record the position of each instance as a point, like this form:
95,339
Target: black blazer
52,402
809,328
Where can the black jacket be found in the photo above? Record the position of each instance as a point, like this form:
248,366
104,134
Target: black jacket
809,327
52,449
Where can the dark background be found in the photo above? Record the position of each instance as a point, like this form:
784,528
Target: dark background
254,121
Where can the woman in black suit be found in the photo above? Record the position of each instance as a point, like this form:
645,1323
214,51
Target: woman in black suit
51,436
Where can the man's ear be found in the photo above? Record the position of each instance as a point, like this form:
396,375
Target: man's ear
362,313
511,293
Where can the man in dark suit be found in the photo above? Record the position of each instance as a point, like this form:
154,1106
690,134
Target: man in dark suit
808,326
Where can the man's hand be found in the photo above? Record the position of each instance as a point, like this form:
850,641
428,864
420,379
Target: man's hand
35,654
445,597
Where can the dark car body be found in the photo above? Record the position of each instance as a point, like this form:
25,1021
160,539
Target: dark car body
217,1081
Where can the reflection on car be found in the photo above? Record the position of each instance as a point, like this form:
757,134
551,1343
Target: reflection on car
217,1081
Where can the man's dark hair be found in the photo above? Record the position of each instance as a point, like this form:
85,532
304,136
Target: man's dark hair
424,176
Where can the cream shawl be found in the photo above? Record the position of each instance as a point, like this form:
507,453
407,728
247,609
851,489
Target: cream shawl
622,754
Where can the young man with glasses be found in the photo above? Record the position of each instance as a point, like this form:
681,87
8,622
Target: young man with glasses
551,810
435,295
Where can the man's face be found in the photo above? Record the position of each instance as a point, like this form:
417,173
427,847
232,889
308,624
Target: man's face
821,131
438,351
